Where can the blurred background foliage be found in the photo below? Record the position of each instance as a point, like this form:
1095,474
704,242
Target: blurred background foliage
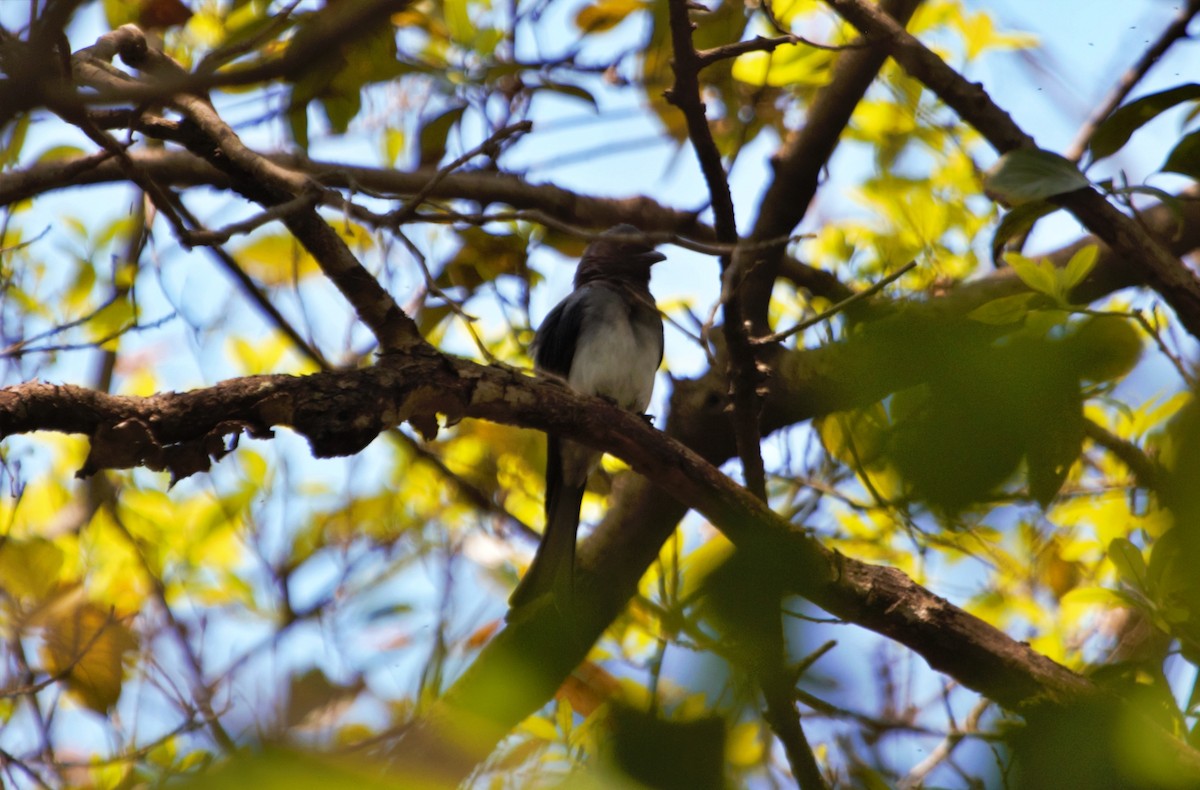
277,622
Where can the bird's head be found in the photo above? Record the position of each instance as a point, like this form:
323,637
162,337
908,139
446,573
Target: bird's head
618,254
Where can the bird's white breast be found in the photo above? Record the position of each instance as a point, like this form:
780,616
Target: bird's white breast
620,362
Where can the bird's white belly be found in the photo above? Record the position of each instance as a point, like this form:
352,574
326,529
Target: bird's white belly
618,364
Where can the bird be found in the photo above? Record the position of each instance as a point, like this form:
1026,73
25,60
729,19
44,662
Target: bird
605,338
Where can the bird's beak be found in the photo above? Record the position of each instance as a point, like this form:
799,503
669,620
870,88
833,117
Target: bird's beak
651,257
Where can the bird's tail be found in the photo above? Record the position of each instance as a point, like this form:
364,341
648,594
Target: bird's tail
553,567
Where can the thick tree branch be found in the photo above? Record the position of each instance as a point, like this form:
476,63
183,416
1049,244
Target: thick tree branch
182,169
798,164
745,377
1164,272
341,412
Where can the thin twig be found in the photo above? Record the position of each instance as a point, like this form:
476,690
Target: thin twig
837,308
209,238
279,21
16,349
769,13
1174,31
83,650
707,57
916,776
490,146
269,184
252,291
201,692
20,350
433,288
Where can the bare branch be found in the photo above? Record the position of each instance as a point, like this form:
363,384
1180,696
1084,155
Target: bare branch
706,57
849,301
269,184
181,168
1174,32
209,238
745,378
490,146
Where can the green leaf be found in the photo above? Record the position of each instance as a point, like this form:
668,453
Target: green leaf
11,149
1005,310
458,22
297,117
1056,441
1038,275
1128,560
341,108
1116,130
1104,348
1185,157
1019,221
574,91
1029,174
274,768
434,133
1079,267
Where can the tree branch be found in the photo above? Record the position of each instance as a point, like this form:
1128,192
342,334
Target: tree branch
265,182
744,375
1164,272
1174,31
182,168
341,412
798,164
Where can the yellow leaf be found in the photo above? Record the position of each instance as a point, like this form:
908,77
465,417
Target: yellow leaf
86,645
393,146
703,561
207,28
746,745
788,10
107,324
605,14
30,568
540,727
980,34
1038,275
276,259
787,66
262,356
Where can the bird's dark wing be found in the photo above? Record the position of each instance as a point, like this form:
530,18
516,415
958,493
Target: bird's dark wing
557,337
